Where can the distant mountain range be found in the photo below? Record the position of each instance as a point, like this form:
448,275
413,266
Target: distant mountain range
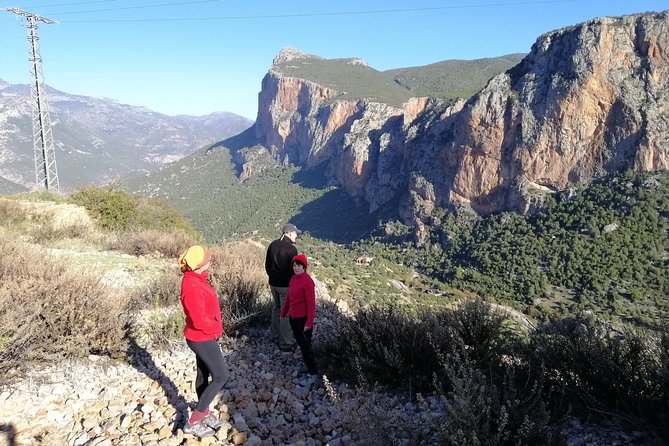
98,140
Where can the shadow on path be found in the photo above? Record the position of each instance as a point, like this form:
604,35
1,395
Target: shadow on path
142,360
9,432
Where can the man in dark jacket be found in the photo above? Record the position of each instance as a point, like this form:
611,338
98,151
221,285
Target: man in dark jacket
279,268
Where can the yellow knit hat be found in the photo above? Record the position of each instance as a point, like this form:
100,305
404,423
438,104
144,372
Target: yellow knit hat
195,257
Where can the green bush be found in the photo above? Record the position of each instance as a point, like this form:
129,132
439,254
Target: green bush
116,210
113,209
154,214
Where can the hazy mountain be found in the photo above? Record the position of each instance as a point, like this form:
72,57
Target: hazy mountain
97,139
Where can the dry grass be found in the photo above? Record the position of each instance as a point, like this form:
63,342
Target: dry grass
48,311
45,221
151,242
238,274
11,212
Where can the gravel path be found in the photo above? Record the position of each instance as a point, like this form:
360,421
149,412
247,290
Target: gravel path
266,401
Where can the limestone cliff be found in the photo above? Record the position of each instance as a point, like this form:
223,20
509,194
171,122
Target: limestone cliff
360,139
588,100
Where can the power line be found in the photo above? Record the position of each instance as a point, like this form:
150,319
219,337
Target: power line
291,15
71,4
125,8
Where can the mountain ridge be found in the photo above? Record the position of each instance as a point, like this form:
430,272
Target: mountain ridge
98,140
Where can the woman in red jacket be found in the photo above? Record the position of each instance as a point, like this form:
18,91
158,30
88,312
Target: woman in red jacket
203,328
300,305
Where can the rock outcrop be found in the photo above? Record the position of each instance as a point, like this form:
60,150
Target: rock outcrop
588,100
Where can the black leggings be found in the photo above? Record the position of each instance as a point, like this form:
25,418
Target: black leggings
303,339
209,360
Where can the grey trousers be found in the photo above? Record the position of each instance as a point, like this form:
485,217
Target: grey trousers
281,330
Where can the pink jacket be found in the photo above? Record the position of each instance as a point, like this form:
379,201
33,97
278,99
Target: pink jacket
301,299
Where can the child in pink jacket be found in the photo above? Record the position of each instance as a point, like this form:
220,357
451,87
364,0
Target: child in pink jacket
300,306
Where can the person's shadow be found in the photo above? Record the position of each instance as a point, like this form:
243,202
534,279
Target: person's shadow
141,359
9,432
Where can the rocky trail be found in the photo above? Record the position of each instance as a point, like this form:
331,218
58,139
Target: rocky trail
266,401
99,402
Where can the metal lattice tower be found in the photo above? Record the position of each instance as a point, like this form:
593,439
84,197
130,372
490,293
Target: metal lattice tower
46,174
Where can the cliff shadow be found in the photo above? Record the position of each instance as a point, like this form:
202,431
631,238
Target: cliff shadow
247,138
8,431
313,177
142,360
336,217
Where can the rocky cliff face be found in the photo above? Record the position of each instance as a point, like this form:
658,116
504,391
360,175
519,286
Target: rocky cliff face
361,140
588,100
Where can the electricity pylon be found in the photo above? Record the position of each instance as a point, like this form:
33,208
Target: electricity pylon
46,174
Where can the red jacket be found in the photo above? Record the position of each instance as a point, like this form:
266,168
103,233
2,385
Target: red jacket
301,299
201,307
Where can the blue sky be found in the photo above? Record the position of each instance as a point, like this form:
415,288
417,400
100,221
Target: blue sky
200,56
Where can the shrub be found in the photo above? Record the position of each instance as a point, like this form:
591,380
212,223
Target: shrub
599,370
158,317
113,209
394,348
483,411
116,210
50,230
155,214
463,354
48,311
11,212
151,241
376,417
237,273
158,327
388,346
162,292
483,330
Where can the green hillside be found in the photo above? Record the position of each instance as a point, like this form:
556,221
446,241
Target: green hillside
205,189
604,250
452,78
447,79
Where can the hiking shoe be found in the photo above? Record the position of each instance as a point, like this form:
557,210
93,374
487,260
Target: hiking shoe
289,349
198,429
211,421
